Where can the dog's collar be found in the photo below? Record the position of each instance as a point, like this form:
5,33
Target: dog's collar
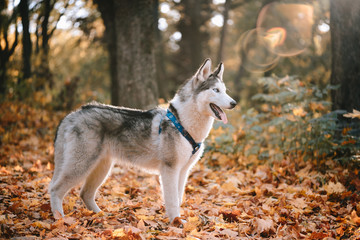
182,130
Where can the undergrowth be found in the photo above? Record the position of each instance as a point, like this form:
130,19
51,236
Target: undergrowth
290,119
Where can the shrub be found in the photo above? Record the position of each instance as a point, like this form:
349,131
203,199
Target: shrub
290,119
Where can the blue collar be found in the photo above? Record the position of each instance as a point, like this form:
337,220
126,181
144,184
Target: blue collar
181,129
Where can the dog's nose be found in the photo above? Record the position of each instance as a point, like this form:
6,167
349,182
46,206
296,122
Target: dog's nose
233,104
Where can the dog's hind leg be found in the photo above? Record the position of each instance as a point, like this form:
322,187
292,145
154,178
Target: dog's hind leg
77,163
93,182
55,199
61,186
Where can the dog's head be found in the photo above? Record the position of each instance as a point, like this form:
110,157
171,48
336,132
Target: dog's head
209,91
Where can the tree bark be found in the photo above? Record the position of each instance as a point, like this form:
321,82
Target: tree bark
130,34
220,55
45,25
194,37
7,49
160,59
26,41
345,35
44,75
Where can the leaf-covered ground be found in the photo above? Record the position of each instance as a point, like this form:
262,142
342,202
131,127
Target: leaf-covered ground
232,199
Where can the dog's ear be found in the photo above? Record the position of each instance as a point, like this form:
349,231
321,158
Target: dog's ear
219,71
204,71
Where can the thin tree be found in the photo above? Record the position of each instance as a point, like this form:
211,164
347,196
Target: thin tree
43,34
26,40
220,55
7,49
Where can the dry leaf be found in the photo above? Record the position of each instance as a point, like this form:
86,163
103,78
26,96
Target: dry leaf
192,224
354,218
119,233
229,187
263,225
230,233
354,114
334,187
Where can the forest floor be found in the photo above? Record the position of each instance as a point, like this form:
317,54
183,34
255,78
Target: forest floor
226,197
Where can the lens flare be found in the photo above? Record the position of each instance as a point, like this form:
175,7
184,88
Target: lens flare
275,37
282,30
286,27
255,56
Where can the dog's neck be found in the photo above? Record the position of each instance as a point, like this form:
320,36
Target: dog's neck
197,124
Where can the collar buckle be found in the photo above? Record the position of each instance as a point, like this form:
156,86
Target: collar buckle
183,132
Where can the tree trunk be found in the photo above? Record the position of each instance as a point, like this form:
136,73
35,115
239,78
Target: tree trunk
130,34
220,56
7,49
26,41
45,26
44,75
160,59
194,37
345,35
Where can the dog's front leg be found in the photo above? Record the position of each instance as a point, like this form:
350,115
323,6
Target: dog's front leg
184,173
169,176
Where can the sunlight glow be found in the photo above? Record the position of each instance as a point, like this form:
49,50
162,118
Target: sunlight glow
324,27
216,2
164,7
218,20
176,36
162,24
64,23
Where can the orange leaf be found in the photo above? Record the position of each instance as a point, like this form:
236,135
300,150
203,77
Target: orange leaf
354,218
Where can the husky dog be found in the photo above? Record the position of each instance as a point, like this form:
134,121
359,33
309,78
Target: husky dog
165,142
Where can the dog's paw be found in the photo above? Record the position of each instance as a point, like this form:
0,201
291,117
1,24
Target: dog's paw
178,222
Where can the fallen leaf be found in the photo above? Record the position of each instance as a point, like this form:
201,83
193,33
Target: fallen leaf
263,225
40,224
230,233
69,220
354,114
354,218
120,232
331,188
191,224
229,187
230,216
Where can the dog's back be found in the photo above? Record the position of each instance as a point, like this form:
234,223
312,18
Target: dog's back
97,129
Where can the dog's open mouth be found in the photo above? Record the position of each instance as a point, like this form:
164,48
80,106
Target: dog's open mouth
219,113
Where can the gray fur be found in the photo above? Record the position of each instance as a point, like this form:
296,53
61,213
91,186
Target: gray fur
206,84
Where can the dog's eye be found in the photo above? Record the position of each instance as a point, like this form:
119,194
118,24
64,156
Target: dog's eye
216,90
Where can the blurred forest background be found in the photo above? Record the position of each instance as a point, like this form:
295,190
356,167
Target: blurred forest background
54,46
287,163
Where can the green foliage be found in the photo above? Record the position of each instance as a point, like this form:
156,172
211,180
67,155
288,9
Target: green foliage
291,119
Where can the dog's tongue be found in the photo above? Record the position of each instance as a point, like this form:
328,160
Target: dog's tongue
223,117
